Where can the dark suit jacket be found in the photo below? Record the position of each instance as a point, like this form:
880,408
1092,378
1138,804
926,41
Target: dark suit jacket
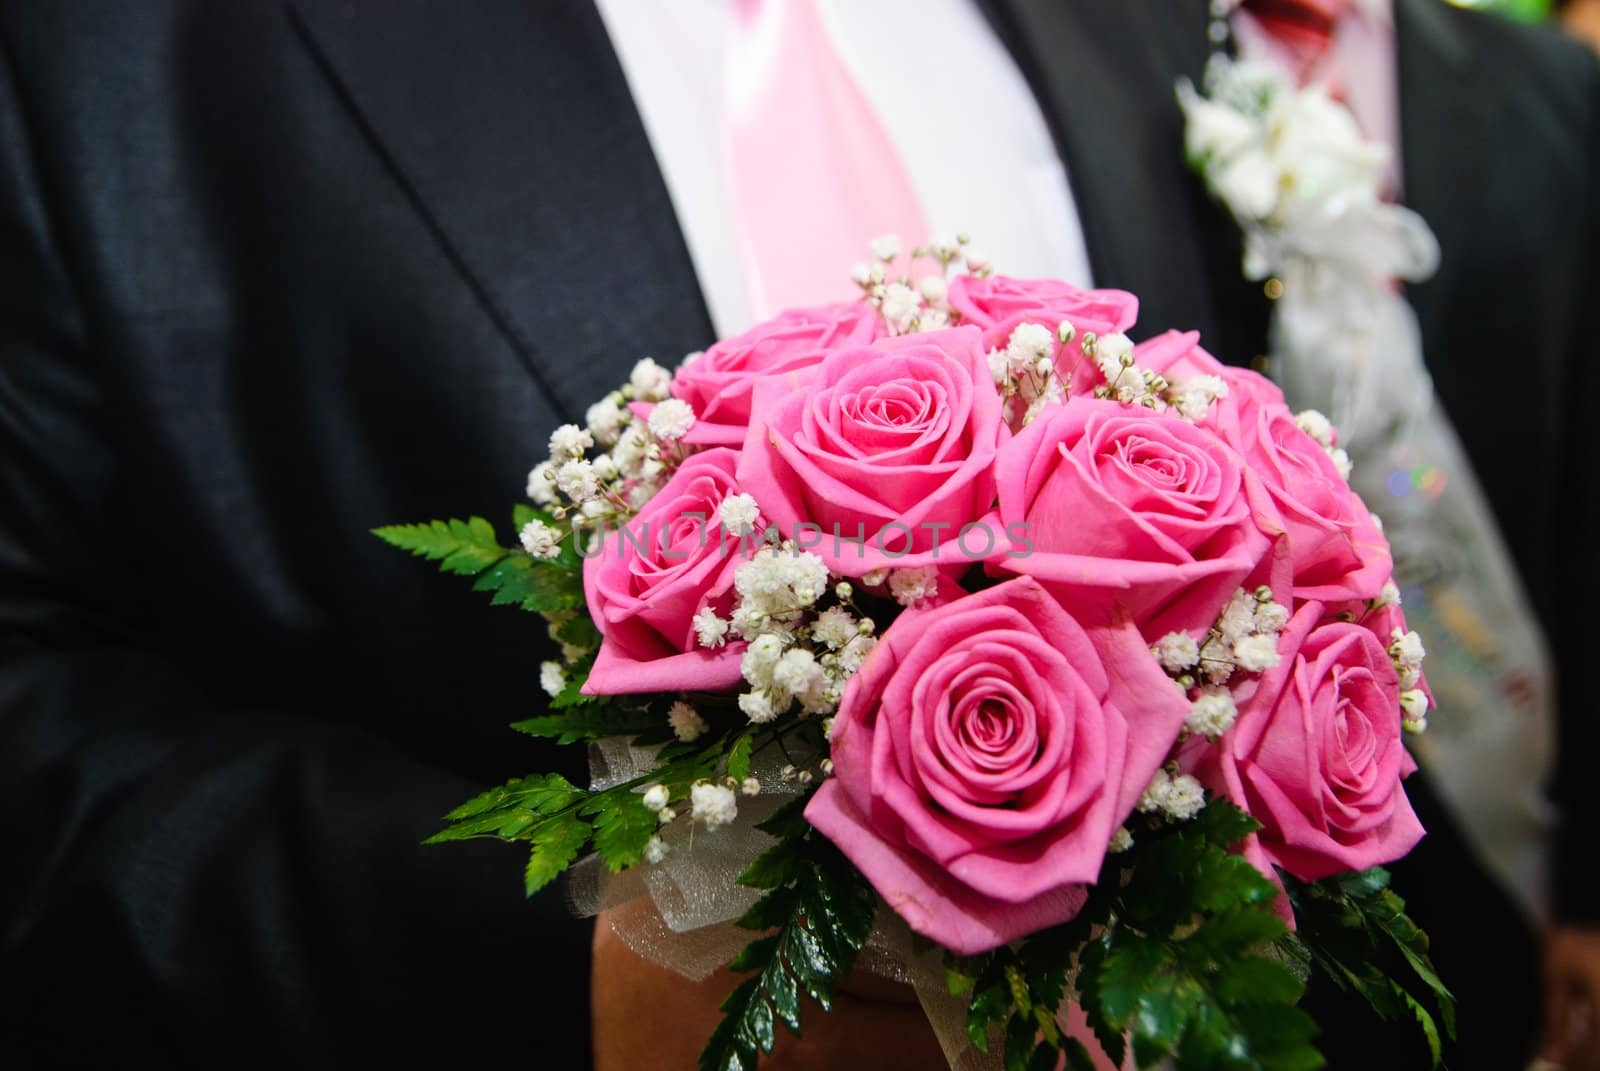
273,273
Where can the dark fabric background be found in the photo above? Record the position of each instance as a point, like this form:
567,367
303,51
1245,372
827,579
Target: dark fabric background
274,274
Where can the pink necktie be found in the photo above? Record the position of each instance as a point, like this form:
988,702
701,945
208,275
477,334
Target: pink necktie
813,175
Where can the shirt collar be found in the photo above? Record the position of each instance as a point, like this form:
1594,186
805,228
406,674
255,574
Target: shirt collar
1377,12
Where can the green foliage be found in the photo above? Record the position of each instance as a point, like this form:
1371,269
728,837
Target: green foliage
519,580
1351,927
591,722
822,908
556,844
465,548
579,631
470,548
1174,949
739,755
508,811
622,827
558,820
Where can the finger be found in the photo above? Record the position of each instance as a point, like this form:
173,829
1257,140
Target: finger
1585,1025
1553,1041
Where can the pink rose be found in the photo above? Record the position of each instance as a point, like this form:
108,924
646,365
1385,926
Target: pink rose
1134,513
999,304
646,583
881,455
1336,550
718,384
983,757
1316,754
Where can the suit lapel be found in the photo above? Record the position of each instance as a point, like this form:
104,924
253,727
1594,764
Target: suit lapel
511,128
1440,139
1104,75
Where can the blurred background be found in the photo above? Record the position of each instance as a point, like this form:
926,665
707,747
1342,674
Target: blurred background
1580,17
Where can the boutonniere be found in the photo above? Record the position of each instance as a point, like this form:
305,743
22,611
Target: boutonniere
1304,184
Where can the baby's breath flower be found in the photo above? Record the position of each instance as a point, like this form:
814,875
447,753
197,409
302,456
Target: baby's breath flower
1121,841
650,381
1178,796
738,514
577,480
1194,397
671,420
834,628
714,805
1212,714
1153,799
854,653
1238,618
934,289
605,419
655,850
750,787
748,621
1408,653
1407,647
885,247
757,707
551,678
709,629
1114,354
540,540
1028,344
1256,653
999,367
1414,706
656,797
1176,651
687,724
1216,661
542,483
900,305
944,247
1317,426
569,441
912,587
797,672
1185,798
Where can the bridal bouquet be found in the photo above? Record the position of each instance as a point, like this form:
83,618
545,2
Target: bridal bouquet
951,631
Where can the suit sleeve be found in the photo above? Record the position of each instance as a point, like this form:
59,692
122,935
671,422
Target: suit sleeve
189,879
1577,856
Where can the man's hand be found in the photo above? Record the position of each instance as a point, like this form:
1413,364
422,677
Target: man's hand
648,1016
1572,999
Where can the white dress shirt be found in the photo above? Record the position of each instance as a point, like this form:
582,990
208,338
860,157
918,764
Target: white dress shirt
959,112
